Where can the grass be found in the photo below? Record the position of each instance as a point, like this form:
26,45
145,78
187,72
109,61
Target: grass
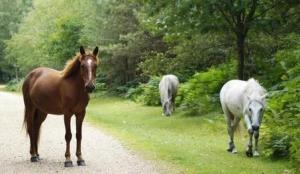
193,144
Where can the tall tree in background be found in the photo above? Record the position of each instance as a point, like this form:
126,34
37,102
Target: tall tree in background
49,35
181,21
11,14
241,16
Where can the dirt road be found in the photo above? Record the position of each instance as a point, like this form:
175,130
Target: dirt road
102,153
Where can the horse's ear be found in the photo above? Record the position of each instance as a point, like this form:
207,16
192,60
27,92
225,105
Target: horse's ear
95,52
82,52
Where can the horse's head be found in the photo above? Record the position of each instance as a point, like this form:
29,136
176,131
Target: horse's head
167,107
88,67
255,111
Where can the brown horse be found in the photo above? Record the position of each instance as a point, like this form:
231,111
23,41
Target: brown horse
48,91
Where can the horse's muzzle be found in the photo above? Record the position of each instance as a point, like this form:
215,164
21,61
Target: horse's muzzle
90,88
255,127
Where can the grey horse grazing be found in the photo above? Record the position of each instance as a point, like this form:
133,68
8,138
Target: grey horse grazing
168,89
243,98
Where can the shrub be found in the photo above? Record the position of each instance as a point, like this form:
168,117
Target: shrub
283,122
14,85
282,116
200,94
147,94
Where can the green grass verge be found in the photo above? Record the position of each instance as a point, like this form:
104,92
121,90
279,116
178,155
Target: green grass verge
194,144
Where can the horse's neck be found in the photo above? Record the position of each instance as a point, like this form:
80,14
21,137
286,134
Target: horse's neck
75,80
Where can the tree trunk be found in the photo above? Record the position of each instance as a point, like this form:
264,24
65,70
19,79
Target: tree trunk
241,55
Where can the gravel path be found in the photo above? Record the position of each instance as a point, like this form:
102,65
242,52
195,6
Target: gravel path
102,153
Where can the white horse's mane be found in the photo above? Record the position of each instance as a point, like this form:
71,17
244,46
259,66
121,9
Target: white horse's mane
253,88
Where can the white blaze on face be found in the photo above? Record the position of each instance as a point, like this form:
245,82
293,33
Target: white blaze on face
90,71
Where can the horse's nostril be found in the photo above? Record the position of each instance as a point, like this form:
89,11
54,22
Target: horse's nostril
90,88
255,127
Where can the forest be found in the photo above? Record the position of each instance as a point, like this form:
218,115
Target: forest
204,43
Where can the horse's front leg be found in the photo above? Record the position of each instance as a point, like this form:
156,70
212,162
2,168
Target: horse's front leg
68,137
79,120
256,136
249,152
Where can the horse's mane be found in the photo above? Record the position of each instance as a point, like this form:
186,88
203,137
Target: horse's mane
71,66
253,86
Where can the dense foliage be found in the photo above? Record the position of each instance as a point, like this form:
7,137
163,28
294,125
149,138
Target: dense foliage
283,114
11,13
200,94
146,93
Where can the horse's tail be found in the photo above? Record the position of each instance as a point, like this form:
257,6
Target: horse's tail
29,110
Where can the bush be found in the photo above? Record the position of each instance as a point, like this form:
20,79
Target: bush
283,122
282,116
147,94
14,85
200,94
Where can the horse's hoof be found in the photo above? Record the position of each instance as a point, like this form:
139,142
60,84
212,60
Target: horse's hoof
34,159
81,163
256,154
68,164
234,151
249,153
229,150
38,157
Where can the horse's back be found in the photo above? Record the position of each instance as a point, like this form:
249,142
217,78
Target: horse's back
41,87
42,76
170,81
231,96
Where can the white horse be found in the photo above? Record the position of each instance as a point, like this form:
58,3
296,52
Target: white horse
168,89
243,98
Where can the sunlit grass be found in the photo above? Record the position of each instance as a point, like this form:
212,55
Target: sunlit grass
194,144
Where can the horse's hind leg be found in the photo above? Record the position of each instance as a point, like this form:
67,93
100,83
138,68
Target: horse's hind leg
230,129
39,119
33,131
29,116
173,102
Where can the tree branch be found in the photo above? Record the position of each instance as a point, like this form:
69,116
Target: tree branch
249,18
266,10
227,18
250,15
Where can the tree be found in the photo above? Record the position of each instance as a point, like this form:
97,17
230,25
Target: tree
241,16
182,20
49,35
11,14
